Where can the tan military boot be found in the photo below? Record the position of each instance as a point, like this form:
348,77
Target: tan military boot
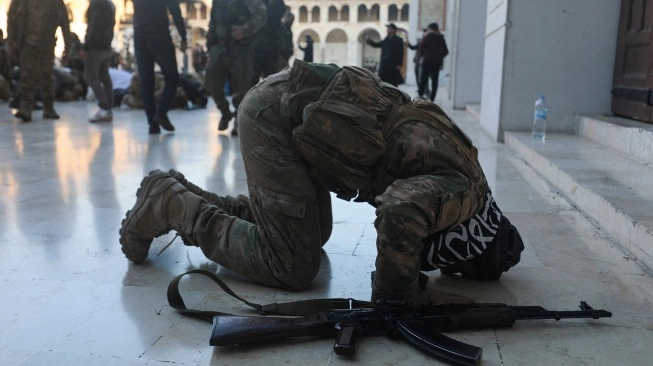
162,204
212,198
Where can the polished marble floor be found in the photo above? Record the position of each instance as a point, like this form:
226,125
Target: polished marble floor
69,296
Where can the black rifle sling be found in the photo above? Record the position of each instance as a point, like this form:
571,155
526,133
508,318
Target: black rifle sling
296,308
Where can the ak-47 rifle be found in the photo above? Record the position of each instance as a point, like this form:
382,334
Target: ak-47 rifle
346,319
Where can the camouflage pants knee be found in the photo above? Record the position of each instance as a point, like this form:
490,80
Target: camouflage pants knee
292,214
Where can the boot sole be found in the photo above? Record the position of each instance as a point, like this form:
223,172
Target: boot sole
132,255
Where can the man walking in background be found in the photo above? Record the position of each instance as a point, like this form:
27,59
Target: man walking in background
31,27
153,43
232,28
96,53
432,49
392,56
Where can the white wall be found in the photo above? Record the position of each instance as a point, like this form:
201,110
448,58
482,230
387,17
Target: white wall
493,60
563,49
466,42
413,33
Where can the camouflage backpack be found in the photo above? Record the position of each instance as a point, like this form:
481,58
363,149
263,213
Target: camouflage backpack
344,131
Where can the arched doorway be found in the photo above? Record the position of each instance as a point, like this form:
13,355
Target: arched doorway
335,49
370,56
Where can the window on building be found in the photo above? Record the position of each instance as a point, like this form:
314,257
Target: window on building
362,13
374,13
344,13
393,13
303,14
333,14
315,14
203,12
404,13
191,12
128,15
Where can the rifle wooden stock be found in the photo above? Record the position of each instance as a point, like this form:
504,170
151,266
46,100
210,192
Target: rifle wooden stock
230,330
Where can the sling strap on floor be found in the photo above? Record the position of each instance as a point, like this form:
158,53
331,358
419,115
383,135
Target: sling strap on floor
295,308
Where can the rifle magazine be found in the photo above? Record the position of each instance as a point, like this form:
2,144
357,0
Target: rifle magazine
422,336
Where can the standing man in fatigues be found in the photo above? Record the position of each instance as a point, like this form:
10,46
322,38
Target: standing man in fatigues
232,28
315,129
268,42
31,29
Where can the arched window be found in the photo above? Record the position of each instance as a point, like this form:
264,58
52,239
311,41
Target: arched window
362,13
404,13
191,12
336,36
315,14
393,13
128,15
374,13
344,13
333,14
303,14
203,12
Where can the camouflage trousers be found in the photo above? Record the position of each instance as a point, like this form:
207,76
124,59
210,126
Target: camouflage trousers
36,70
275,236
233,64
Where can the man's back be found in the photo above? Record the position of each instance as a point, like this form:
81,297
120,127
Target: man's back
151,17
38,20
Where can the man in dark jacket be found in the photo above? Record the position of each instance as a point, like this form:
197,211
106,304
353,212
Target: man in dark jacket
392,56
432,50
153,43
96,53
308,50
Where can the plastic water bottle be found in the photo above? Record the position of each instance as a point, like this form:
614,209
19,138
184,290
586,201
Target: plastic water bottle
539,119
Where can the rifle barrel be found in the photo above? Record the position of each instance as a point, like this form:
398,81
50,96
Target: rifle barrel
538,312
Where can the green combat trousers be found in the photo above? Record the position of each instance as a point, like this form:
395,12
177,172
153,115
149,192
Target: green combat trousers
37,70
275,237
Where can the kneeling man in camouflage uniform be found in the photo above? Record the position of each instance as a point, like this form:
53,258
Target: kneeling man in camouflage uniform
315,129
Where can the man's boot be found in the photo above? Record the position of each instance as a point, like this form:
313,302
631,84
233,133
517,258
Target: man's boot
50,113
25,111
234,132
162,204
224,121
234,206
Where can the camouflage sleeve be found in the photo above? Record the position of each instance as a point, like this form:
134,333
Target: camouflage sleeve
258,16
16,21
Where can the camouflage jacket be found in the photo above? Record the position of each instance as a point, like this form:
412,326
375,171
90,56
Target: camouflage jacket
34,23
249,14
383,134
